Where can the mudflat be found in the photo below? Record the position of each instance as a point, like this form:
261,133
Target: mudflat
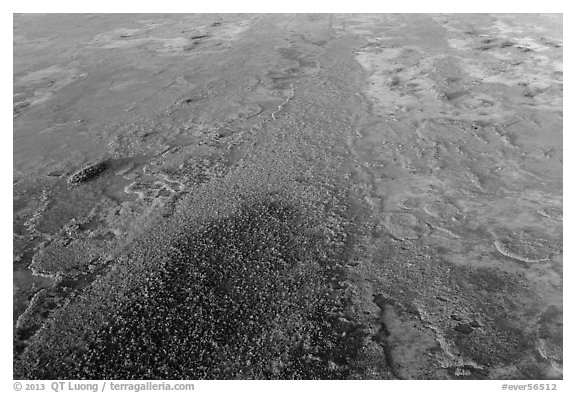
288,196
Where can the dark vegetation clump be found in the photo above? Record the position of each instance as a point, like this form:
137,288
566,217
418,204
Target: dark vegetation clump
241,297
20,106
87,173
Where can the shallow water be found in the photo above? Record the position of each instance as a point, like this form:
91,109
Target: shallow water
416,159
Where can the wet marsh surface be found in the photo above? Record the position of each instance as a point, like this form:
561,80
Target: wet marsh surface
288,196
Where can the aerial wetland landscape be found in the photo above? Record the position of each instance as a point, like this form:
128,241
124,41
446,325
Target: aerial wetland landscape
273,196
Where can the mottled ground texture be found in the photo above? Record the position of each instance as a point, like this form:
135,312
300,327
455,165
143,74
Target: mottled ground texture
288,196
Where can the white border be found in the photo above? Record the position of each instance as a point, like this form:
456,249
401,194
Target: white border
194,6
